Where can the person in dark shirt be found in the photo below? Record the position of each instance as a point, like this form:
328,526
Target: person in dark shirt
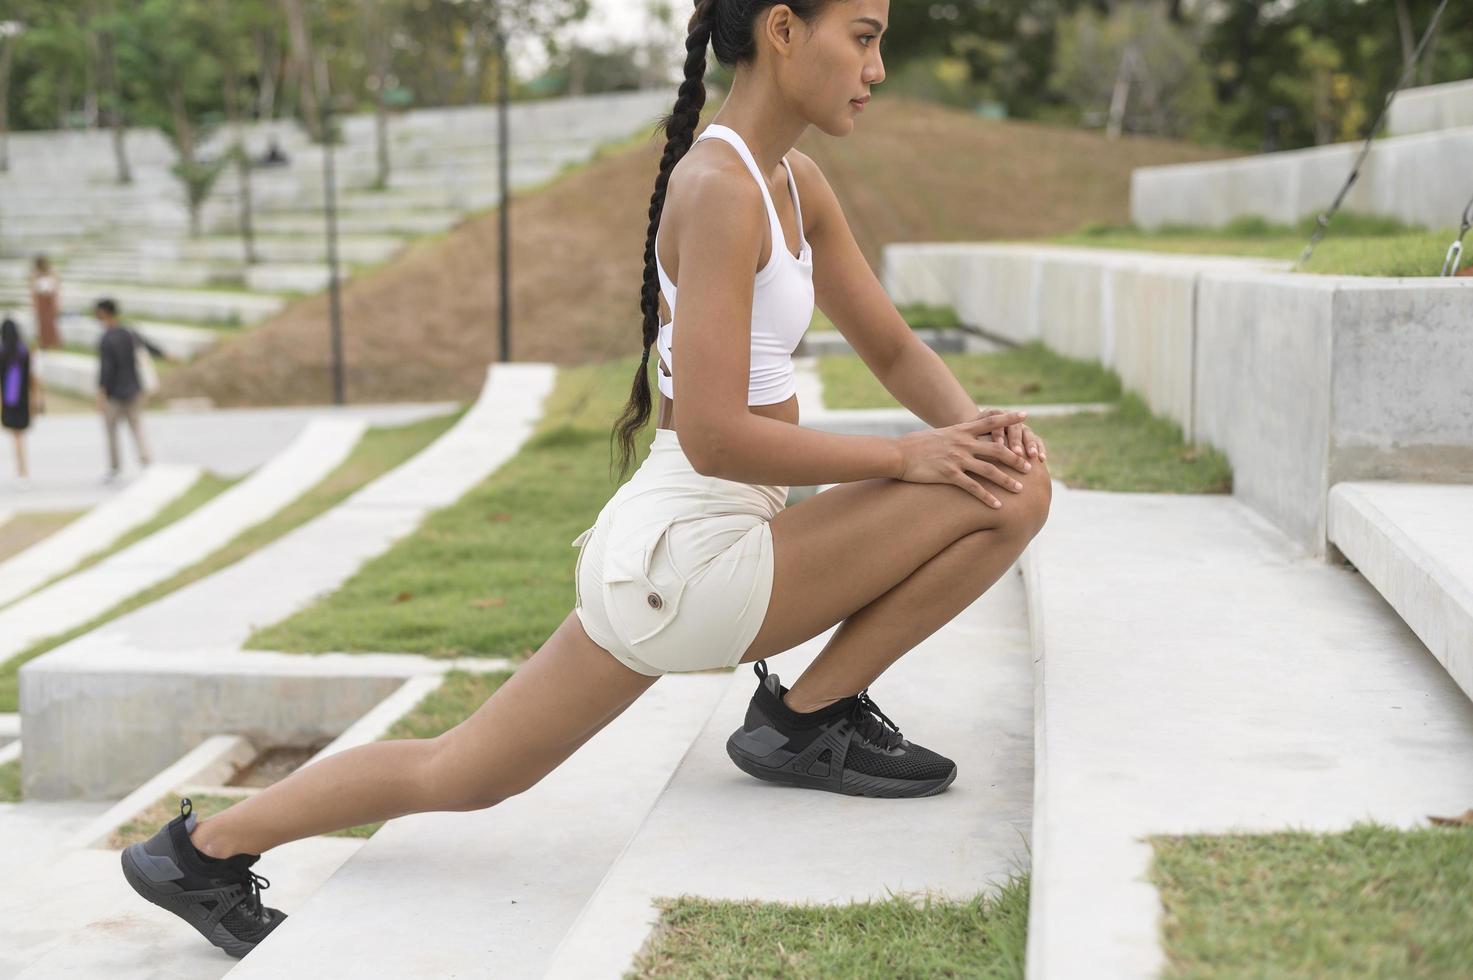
19,391
119,391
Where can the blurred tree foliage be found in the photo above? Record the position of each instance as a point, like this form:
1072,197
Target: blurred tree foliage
1248,73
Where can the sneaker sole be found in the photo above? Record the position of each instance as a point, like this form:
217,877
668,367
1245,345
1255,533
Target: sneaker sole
850,784
182,905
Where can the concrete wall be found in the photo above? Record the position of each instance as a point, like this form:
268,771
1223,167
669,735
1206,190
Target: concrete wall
1421,179
1432,107
1300,380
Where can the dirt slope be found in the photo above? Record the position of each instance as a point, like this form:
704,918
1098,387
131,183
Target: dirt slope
425,326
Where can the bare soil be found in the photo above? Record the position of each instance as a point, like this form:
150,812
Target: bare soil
426,325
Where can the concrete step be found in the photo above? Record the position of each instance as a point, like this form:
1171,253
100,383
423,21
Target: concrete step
185,650
77,917
178,341
199,305
364,223
717,833
491,893
68,371
76,599
817,343
1197,672
98,529
290,249
1412,542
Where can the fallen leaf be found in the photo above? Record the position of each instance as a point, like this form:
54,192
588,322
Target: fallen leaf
495,600
1466,820
1032,387
404,597
499,517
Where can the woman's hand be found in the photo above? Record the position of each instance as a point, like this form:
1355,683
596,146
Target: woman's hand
1016,436
954,453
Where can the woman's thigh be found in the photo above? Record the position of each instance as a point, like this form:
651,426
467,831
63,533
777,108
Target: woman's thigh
839,550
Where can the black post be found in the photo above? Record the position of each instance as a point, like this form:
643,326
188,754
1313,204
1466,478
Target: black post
503,166
329,203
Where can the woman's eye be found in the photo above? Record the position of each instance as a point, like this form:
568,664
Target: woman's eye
862,37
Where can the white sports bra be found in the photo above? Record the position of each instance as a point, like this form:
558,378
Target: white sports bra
782,296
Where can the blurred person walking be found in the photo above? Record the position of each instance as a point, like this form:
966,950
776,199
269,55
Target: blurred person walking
46,303
18,394
121,387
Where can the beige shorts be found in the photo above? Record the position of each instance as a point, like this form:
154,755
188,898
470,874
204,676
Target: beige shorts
676,572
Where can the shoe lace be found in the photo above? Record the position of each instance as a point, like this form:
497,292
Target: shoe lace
873,724
255,884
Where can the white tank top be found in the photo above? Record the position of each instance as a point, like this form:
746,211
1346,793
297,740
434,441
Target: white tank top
782,296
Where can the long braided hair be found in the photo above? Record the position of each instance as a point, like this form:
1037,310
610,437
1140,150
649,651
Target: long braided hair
727,26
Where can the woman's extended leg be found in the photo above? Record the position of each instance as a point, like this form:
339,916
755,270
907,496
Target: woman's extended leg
895,561
568,690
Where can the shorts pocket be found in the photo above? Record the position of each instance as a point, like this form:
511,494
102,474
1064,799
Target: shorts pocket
578,543
643,585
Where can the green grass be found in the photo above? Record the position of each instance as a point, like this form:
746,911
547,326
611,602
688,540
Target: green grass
491,575
1125,449
1027,375
885,940
919,315
206,488
10,782
380,450
1129,450
1356,245
1372,902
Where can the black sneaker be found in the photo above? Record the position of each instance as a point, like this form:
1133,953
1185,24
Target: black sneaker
849,747
219,897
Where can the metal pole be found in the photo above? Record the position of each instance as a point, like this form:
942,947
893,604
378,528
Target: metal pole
329,201
503,164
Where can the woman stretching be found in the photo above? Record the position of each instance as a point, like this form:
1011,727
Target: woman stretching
695,563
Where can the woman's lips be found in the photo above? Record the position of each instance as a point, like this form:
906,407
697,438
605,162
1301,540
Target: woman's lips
859,103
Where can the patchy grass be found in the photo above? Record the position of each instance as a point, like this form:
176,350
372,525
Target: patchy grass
206,488
380,450
1356,245
1027,375
10,782
920,316
1372,902
1130,450
490,575
896,938
24,530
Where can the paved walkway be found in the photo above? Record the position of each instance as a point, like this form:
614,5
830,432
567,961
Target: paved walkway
68,452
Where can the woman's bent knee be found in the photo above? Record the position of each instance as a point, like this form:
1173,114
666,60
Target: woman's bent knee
447,785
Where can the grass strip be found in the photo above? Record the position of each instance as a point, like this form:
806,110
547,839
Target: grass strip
442,709
492,574
1373,902
1027,375
10,782
1356,245
983,937
202,491
380,450
1129,450
24,530
920,316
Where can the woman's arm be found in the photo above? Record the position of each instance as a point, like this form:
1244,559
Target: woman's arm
720,241
849,294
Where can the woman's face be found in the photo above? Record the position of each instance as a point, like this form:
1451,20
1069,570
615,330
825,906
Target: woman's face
839,61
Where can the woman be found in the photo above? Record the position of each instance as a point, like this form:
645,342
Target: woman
46,303
695,563
17,393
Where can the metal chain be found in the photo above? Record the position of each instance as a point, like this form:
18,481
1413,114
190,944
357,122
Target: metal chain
1322,220
1455,250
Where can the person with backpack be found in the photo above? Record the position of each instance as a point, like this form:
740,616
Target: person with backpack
125,379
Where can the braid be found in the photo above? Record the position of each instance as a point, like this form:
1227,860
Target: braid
680,130
727,27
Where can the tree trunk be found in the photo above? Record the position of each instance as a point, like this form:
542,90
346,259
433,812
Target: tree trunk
381,50
184,143
1404,29
109,66
7,58
242,163
270,68
301,43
